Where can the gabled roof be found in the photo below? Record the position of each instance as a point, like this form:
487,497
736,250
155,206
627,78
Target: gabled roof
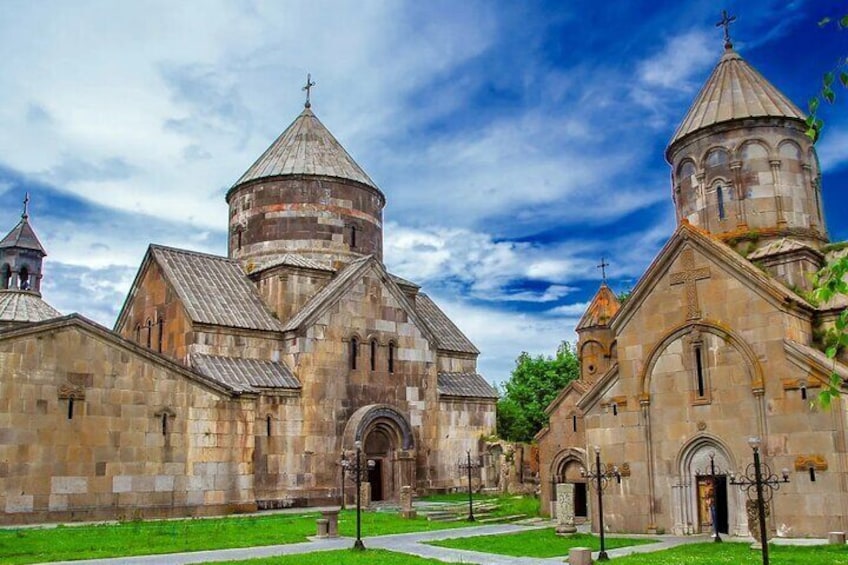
766,286
213,290
22,236
735,90
245,375
813,358
448,336
24,306
327,295
577,386
600,311
780,247
465,385
306,147
293,260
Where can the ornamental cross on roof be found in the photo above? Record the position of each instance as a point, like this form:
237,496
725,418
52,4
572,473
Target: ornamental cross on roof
26,206
308,88
603,267
725,22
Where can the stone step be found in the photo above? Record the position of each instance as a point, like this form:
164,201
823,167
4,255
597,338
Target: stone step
495,519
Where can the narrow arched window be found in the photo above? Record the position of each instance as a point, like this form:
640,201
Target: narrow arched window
353,236
392,348
23,277
149,331
138,333
373,354
5,276
268,426
354,352
720,199
161,323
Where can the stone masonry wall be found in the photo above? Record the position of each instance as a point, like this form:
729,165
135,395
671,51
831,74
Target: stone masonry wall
141,439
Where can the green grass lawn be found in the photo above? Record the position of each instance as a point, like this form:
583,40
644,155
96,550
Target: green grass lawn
729,553
507,505
35,545
534,543
342,557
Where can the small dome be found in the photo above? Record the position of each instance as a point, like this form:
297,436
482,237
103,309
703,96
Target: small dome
20,306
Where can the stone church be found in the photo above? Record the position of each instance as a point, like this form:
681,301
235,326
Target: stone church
716,343
238,383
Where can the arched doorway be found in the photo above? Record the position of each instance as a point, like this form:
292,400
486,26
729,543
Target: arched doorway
567,468
387,440
704,498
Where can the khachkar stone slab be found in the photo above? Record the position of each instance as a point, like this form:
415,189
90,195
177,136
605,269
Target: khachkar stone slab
565,508
406,510
754,521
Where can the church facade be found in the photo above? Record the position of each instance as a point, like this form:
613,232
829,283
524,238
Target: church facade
717,343
241,382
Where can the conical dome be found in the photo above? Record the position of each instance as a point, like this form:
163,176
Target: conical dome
735,90
306,148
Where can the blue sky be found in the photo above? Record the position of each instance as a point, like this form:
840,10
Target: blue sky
517,142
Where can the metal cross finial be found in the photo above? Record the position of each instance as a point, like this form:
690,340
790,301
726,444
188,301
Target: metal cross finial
308,88
725,22
603,267
26,206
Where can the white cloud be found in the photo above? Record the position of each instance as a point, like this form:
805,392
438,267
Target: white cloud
683,58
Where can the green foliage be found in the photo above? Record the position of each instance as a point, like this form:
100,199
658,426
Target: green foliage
827,92
535,543
534,383
624,296
829,283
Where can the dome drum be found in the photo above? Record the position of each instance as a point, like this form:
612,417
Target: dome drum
751,179
327,219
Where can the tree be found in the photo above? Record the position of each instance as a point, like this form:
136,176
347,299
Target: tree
827,92
533,385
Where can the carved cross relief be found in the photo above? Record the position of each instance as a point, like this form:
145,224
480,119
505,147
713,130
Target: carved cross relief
688,278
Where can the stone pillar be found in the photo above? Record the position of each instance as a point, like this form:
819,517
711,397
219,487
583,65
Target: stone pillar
365,495
406,510
774,164
565,509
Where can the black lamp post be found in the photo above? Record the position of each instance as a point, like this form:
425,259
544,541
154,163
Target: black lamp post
358,545
468,466
758,475
713,509
599,479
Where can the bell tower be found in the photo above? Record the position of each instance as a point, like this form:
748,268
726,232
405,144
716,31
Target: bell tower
21,257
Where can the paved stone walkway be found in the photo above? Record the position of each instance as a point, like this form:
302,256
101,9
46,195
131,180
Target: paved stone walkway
407,543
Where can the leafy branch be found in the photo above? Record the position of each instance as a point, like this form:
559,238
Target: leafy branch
830,282
829,81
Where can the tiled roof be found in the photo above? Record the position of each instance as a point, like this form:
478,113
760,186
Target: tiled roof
602,308
214,290
466,385
23,236
24,306
400,281
294,260
244,375
778,247
449,337
734,90
327,293
306,148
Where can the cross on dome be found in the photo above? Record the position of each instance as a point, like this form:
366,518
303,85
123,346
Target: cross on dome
725,22
308,88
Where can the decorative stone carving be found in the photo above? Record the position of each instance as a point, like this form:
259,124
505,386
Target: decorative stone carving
754,520
565,509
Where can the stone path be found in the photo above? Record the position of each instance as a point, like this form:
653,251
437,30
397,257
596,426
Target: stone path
405,543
